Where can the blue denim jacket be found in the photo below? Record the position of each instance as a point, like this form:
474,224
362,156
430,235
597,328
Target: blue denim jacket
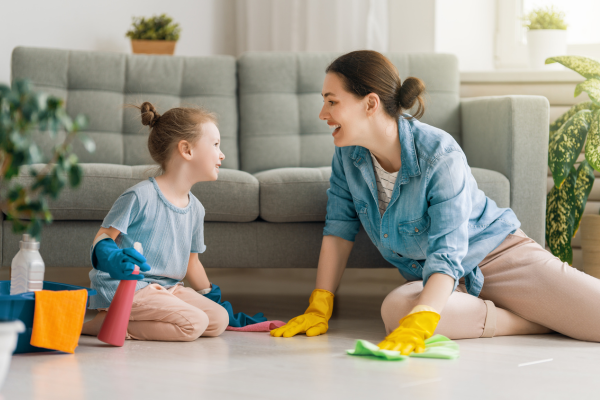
437,220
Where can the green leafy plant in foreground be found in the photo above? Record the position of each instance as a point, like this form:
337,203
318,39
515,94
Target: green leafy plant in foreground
155,28
545,18
23,113
578,126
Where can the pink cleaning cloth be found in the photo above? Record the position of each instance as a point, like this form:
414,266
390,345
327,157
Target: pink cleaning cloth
266,326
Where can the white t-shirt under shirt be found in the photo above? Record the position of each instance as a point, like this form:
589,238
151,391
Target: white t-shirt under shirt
385,184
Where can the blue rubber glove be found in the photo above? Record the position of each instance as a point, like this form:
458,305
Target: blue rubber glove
237,320
119,263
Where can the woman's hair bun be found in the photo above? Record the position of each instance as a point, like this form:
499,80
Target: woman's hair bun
149,114
410,93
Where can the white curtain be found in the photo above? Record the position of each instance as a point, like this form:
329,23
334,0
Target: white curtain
312,25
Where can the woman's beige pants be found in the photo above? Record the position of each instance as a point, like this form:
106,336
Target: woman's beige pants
521,277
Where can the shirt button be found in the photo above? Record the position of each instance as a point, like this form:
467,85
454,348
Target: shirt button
385,235
414,265
417,230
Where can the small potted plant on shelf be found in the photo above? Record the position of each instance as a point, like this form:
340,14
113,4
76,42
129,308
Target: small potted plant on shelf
24,112
155,35
546,35
566,201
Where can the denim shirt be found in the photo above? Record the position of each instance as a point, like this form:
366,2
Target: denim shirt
437,220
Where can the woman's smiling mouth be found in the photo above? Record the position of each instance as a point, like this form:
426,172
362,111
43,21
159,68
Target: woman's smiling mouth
335,127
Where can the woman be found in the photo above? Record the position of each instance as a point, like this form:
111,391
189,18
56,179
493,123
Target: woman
472,272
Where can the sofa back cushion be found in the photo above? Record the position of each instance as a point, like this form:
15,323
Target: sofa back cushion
99,84
280,101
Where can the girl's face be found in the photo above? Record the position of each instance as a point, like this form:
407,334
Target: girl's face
206,153
344,112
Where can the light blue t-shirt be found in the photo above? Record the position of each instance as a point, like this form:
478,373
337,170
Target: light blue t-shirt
168,235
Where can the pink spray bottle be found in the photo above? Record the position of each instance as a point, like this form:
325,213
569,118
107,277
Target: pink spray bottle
114,327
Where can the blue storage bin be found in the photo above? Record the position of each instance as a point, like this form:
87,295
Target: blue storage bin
22,306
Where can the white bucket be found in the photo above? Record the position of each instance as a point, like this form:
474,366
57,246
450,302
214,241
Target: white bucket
545,43
9,332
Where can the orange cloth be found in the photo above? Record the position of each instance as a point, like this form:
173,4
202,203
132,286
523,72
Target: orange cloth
58,319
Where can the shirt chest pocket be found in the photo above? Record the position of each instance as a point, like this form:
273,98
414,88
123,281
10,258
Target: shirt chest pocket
361,210
414,236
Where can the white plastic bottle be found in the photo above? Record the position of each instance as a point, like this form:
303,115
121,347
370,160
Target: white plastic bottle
27,268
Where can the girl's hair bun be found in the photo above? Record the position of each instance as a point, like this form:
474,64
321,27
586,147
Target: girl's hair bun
149,114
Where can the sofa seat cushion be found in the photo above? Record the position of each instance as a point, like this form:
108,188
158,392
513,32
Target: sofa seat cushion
300,194
294,194
232,198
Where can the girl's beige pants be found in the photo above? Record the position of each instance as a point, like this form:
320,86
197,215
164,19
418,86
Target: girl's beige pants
519,276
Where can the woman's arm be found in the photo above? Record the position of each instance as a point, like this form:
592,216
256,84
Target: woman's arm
436,292
332,262
196,274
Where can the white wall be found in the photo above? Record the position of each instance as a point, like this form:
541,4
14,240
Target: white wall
208,26
462,27
466,28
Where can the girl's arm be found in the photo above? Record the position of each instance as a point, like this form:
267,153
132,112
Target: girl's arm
196,274
112,232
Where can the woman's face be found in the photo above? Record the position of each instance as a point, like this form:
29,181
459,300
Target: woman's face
345,114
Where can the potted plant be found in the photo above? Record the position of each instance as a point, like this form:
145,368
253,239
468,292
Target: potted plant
24,112
578,126
156,35
546,35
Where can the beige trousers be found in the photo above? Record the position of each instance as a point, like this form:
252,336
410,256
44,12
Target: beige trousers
519,276
174,314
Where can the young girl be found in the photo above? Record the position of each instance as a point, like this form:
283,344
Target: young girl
164,216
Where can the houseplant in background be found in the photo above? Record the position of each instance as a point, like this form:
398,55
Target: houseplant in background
24,112
566,201
155,35
546,36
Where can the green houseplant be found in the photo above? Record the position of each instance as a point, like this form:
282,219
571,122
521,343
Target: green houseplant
578,126
24,112
546,36
154,35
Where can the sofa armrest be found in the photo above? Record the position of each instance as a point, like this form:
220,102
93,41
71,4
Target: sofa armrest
509,134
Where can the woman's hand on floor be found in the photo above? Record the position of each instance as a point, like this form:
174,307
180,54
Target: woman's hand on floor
411,334
315,319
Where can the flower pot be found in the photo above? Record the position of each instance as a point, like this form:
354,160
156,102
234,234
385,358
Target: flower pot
544,43
9,331
590,244
153,46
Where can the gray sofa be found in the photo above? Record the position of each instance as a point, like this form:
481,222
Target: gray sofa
268,207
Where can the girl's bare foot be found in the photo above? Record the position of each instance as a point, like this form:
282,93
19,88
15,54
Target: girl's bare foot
93,326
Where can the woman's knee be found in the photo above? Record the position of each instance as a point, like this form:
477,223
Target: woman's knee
399,302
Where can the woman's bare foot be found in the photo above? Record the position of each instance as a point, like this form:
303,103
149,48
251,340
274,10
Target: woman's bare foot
93,326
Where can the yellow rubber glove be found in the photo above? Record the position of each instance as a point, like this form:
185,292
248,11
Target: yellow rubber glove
314,320
413,330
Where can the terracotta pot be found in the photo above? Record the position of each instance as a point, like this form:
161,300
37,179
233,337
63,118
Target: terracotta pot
590,244
153,46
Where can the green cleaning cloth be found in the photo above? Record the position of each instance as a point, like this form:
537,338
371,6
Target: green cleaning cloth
437,346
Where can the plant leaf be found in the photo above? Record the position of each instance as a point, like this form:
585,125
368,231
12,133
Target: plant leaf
592,87
565,146
560,218
586,67
560,121
592,144
583,187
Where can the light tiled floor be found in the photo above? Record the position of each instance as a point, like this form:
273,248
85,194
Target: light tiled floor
257,366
